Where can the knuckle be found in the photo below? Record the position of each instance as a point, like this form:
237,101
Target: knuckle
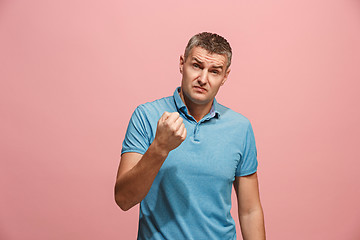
173,128
165,123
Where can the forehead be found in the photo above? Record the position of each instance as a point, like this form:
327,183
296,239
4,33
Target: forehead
206,57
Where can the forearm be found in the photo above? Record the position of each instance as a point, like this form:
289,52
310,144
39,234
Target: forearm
133,186
252,225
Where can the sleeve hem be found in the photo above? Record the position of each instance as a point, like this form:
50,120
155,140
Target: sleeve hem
133,150
246,173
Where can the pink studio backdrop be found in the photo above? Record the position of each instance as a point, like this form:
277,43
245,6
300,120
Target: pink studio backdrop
72,72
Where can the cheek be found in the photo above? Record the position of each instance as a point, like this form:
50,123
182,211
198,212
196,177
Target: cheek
216,82
190,75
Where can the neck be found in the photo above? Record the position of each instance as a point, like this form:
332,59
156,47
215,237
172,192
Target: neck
198,111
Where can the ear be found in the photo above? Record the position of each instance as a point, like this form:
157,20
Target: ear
226,76
181,64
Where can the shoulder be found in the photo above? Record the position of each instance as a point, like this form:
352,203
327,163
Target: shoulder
231,116
158,104
156,108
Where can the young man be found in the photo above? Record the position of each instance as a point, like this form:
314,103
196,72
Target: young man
182,154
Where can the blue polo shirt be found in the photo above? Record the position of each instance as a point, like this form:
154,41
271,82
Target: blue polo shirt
190,197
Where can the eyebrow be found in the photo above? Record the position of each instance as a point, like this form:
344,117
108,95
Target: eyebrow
197,60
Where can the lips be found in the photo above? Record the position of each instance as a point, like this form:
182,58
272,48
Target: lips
199,89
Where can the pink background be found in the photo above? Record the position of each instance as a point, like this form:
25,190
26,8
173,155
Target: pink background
73,71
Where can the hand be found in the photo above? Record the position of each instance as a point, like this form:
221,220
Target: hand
170,132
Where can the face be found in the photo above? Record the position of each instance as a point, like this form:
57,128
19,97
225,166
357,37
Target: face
203,74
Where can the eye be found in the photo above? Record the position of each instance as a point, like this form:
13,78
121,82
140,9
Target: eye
215,71
196,65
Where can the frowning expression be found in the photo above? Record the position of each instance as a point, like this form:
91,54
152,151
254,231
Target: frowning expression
203,73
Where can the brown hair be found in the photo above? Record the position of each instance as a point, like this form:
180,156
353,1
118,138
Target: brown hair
211,42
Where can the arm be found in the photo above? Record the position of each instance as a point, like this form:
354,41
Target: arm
251,215
137,172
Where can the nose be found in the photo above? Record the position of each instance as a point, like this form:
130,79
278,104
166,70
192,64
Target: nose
202,79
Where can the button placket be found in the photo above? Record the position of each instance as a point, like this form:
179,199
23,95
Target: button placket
197,127
196,132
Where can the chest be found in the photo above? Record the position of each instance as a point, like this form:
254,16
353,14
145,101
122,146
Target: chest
208,152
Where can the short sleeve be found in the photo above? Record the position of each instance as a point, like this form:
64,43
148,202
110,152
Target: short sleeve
248,162
136,137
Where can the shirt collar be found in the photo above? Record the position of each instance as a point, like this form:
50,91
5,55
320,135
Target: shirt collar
214,111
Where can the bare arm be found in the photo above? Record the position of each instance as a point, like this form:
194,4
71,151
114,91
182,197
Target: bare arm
137,172
251,215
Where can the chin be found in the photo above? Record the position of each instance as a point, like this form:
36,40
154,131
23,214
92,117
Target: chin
199,100
196,97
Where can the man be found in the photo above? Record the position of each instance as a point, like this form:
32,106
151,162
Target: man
182,155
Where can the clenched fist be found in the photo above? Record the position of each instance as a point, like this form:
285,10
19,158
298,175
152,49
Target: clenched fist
170,132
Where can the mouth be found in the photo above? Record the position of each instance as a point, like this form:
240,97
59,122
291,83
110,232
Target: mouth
200,89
